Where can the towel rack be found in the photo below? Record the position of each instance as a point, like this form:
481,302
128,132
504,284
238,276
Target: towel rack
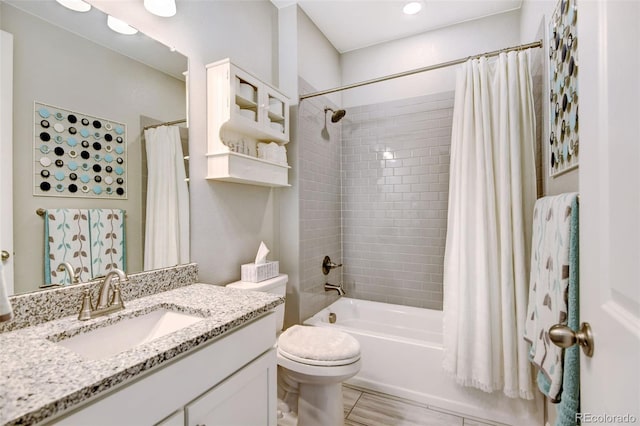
41,212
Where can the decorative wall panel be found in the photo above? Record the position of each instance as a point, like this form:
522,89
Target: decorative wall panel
78,155
563,88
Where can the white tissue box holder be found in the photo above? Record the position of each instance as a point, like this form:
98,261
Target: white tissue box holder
255,273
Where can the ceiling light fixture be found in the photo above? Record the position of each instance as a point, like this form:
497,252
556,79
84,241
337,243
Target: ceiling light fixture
120,26
75,5
412,8
163,8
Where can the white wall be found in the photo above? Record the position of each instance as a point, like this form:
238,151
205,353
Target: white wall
433,47
306,53
319,63
228,220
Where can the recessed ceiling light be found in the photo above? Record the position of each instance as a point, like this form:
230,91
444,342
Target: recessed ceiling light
120,26
164,8
76,5
412,8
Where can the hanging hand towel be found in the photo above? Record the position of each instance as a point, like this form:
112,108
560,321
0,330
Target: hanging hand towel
6,313
107,241
548,286
66,233
570,398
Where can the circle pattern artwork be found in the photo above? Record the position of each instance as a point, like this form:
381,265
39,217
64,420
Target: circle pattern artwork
58,142
563,84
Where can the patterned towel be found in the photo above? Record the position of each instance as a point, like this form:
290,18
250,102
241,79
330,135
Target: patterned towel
66,233
548,287
107,241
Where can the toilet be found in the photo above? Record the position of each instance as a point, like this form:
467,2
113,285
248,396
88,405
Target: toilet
312,364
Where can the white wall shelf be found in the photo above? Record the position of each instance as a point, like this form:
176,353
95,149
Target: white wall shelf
240,168
243,111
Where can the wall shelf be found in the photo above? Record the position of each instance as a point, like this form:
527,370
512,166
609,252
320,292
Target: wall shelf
243,111
240,168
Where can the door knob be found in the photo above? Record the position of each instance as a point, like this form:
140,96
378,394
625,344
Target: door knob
563,336
5,255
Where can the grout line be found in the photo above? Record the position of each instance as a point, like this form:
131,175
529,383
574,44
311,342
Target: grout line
354,405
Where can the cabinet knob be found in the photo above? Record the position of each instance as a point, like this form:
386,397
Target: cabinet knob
5,255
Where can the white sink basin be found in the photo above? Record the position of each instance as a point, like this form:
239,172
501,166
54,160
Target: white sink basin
128,333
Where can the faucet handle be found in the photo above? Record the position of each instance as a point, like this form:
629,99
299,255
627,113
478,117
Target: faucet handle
86,308
328,265
116,301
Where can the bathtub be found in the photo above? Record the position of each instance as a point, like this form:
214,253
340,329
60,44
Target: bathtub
402,356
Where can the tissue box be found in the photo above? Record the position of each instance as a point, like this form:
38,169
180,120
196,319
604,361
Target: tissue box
255,273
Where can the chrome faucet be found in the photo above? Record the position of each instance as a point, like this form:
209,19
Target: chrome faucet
73,278
338,288
105,304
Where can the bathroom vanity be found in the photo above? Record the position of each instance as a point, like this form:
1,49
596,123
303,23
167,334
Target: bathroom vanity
215,361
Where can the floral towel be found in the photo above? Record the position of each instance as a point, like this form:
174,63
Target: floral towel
107,241
66,240
548,287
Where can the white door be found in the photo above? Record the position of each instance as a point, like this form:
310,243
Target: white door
6,157
609,102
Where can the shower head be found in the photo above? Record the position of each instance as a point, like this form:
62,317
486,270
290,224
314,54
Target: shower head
337,115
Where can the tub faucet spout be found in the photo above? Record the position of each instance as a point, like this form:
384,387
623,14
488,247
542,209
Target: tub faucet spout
338,288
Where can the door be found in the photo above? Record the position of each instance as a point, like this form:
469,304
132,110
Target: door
247,398
610,208
6,158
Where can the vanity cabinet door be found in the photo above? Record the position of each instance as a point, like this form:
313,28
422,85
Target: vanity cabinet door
246,398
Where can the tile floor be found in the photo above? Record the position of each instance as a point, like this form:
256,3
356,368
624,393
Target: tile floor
368,408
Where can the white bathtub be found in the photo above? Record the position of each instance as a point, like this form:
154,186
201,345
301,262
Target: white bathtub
402,356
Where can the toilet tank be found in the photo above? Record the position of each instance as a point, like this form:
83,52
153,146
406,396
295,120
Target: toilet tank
277,285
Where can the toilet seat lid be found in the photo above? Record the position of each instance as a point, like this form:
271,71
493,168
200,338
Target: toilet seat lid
318,346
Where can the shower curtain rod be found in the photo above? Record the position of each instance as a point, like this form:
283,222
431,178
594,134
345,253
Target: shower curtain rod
419,70
166,123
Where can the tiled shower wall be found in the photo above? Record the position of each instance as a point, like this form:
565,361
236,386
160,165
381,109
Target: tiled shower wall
386,218
319,155
395,165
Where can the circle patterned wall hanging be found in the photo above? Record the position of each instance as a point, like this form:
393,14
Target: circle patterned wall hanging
564,141
72,152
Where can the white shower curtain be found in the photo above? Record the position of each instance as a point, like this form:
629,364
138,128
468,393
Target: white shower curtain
492,191
167,221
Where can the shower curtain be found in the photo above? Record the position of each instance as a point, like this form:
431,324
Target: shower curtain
167,221
491,196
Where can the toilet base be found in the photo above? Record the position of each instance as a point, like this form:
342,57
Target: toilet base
286,417
316,407
314,392
320,405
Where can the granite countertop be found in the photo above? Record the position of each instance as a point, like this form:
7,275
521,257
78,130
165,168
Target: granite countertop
40,379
